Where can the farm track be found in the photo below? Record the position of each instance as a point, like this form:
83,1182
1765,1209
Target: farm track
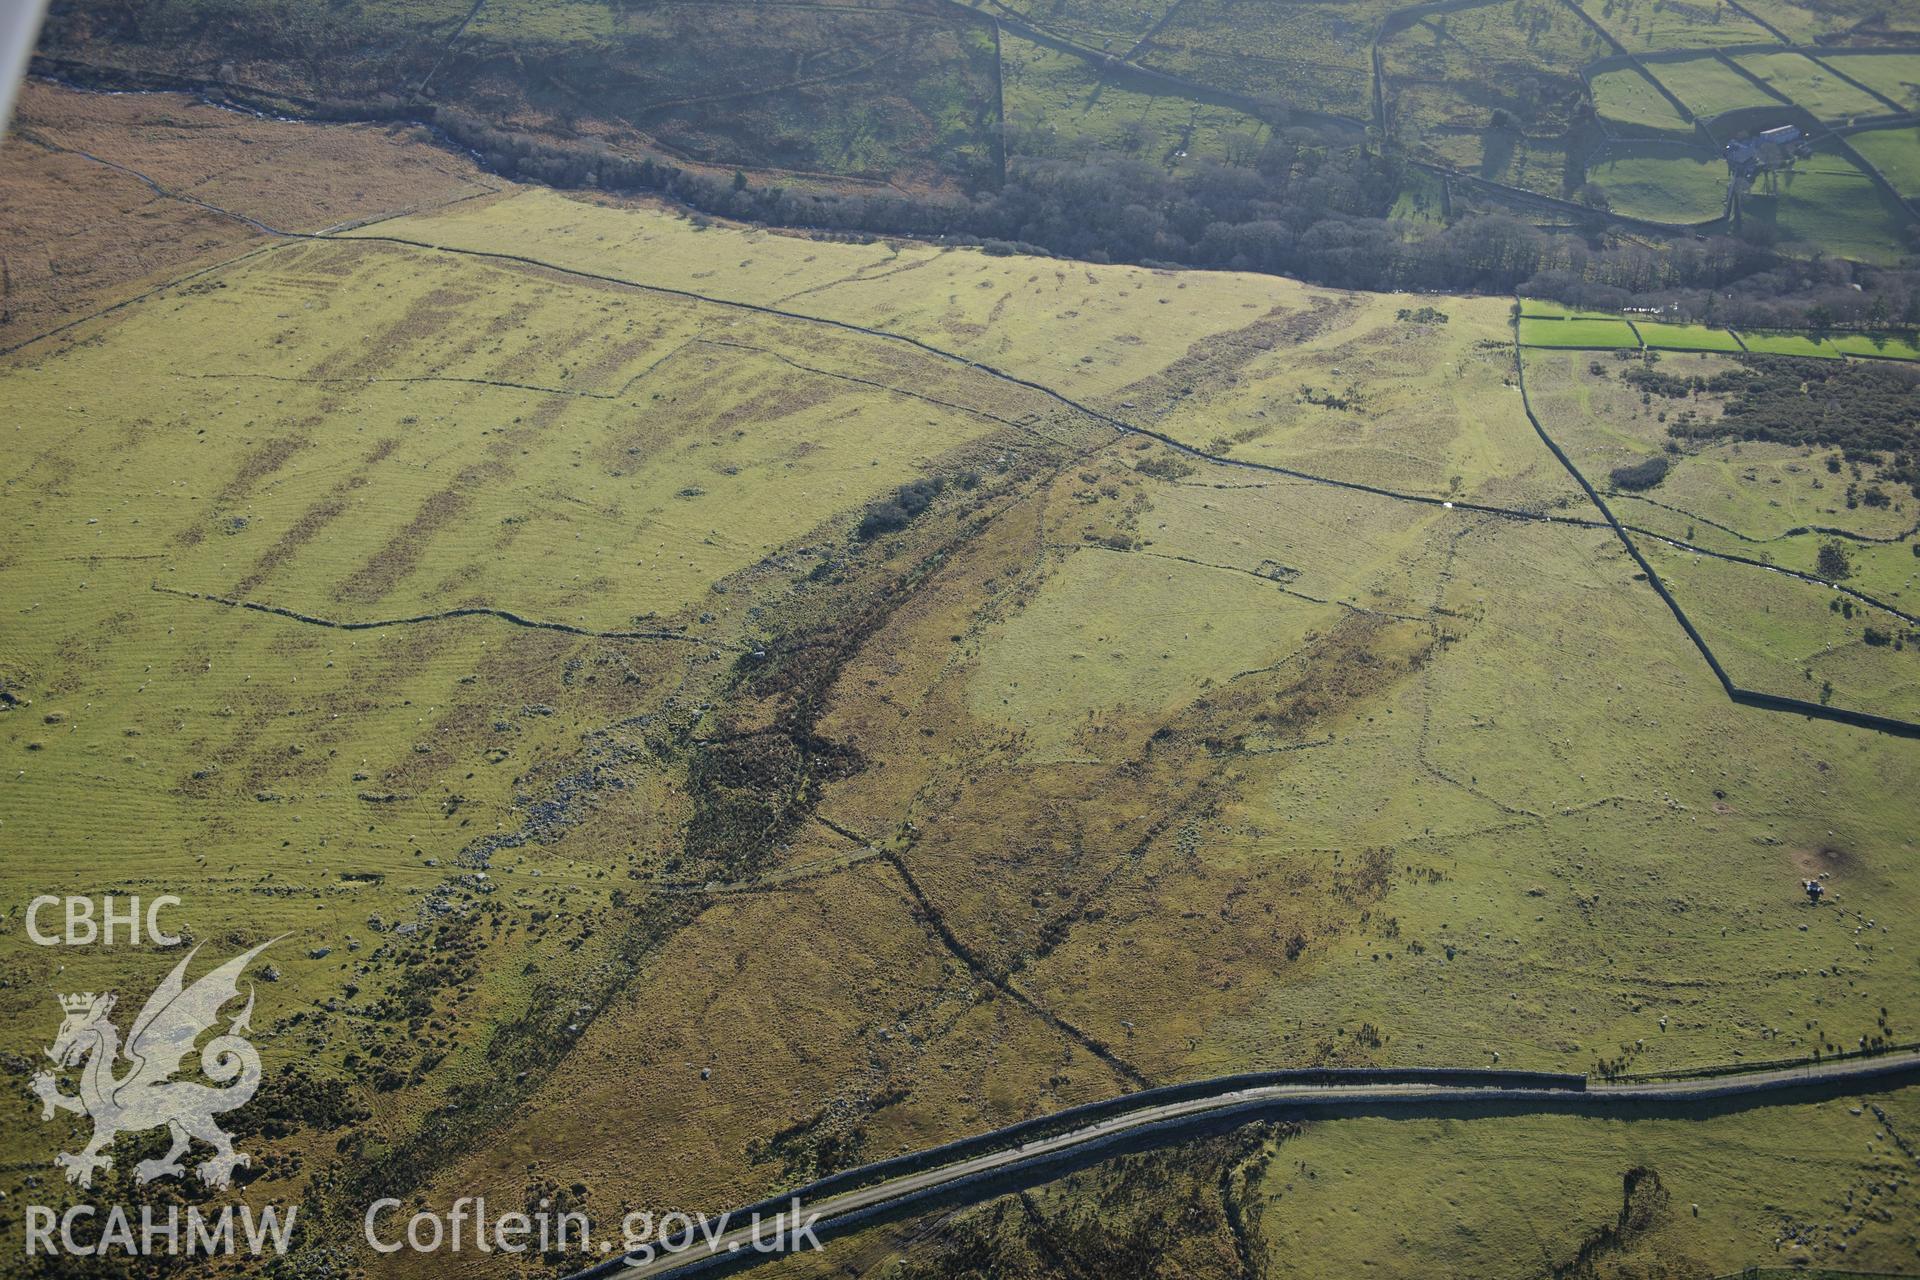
972,1170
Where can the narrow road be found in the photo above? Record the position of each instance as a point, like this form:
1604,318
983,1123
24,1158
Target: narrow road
971,1178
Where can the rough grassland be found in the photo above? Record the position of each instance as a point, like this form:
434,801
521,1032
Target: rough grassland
1103,327
1778,634
79,233
1758,488
900,91
1113,765
1058,105
1358,388
1805,21
1308,56
1772,632
1564,1193
1646,26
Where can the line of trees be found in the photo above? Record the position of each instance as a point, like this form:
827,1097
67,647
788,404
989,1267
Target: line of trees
1302,207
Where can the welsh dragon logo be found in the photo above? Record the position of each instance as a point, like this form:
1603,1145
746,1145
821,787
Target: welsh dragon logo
145,1095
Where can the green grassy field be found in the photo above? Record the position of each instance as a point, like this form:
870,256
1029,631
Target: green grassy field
1828,202
1806,83
1789,344
1802,21
1101,24
1576,333
1446,75
1772,632
1896,75
1709,86
1309,56
1626,95
1057,105
1758,489
1895,153
1420,199
1685,337
1661,183
1547,307
1780,635
1895,346
1646,26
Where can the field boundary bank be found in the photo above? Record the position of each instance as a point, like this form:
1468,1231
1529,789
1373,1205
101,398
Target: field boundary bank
1798,531
1812,579
444,615
1737,693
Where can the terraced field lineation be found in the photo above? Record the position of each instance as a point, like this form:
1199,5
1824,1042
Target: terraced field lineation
885,335
988,369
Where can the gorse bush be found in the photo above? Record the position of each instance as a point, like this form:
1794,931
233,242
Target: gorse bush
1637,476
898,511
